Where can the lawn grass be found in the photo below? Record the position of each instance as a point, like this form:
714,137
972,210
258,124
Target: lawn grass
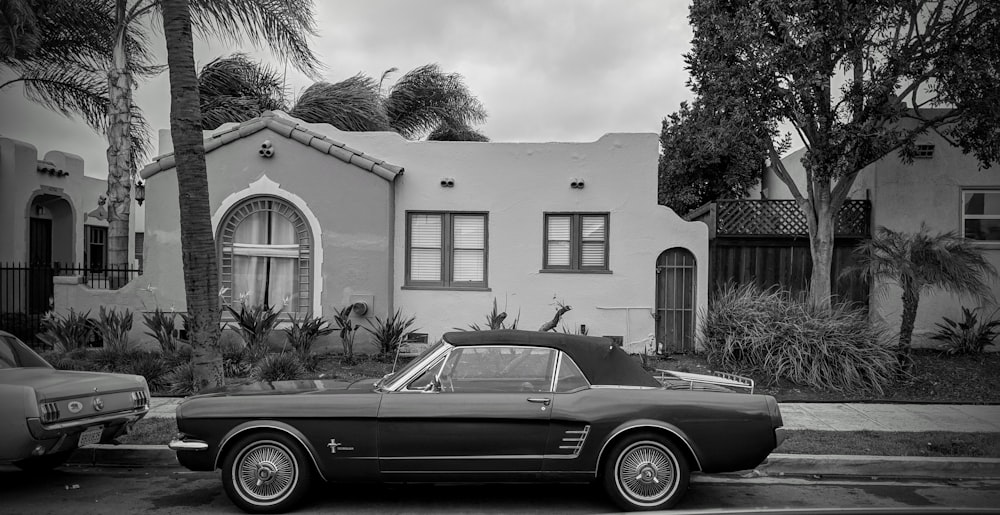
881,443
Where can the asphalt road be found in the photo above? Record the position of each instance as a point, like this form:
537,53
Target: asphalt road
79,491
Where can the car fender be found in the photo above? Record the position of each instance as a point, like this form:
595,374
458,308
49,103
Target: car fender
17,403
273,425
649,424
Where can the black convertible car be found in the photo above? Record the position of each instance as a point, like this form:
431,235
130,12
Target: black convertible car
478,406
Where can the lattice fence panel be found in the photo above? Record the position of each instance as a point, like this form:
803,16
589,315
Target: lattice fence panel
783,218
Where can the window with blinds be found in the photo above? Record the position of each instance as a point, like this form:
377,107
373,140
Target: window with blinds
576,241
446,250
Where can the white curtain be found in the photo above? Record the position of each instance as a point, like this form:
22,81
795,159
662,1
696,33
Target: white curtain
265,261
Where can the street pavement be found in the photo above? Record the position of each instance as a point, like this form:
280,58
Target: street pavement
827,416
164,491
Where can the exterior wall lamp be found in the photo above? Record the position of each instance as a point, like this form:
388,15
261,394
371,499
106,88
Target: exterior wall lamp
140,192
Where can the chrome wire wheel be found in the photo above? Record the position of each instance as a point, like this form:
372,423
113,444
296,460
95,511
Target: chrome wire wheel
646,473
265,472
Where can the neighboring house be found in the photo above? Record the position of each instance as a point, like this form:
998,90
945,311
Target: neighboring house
47,226
309,218
944,188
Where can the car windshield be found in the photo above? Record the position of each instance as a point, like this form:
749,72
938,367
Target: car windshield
413,362
14,354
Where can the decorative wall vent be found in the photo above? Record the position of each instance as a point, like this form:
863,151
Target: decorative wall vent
924,152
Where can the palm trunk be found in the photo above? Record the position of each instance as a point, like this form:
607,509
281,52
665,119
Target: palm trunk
911,300
201,275
120,85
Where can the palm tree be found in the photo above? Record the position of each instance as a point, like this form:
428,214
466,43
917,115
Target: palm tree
424,102
919,262
236,88
284,25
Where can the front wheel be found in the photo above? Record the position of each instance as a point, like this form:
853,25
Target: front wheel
645,472
266,473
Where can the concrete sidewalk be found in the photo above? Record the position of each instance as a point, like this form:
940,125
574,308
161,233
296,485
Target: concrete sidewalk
827,416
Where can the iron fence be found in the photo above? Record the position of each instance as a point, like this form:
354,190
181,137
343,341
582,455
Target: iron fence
26,290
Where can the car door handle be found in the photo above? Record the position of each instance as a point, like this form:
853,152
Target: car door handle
540,400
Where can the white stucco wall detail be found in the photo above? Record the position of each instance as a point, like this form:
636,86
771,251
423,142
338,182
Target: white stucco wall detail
265,186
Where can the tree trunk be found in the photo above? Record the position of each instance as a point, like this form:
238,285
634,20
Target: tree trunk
120,85
201,274
821,251
911,300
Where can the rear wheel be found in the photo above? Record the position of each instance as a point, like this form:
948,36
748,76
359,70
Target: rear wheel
645,472
43,463
266,473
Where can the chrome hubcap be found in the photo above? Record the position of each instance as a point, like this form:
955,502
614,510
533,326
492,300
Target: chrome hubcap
646,472
266,471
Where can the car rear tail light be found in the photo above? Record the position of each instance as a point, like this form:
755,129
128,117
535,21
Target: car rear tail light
140,399
50,412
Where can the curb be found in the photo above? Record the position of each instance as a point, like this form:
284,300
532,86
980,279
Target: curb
776,465
902,467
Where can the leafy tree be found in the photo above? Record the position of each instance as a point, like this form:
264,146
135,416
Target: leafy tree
121,29
707,153
236,88
780,58
423,102
919,262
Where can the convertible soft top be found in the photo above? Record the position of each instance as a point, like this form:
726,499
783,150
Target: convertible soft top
603,362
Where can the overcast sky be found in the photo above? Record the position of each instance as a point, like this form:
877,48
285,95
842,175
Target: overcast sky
546,70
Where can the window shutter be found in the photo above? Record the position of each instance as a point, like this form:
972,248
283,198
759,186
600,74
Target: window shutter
425,247
592,246
558,241
469,237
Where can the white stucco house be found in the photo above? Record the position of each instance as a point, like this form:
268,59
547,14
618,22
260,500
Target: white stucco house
309,218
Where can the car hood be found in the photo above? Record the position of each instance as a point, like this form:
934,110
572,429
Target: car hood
49,383
303,386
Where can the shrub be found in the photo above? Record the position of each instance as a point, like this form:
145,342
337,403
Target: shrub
150,365
255,324
301,334
770,334
67,333
970,335
495,319
113,328
110,359
278,367
181,380
389,333
161,325
347,330
234,358
183,354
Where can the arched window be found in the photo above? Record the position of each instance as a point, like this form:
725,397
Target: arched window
265,251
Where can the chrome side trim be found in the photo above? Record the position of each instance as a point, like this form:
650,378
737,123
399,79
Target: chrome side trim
398,383
624,387
555,373
187,445
82,422
494,457
215,463
600,455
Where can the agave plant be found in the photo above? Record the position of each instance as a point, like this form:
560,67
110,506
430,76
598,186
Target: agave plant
66,333
301,334
113,328
389,333
969,335
161,325
348,330
254,325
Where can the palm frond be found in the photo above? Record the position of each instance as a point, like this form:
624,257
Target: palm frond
350,105
449,132
284,26
67,91
426,97
236,88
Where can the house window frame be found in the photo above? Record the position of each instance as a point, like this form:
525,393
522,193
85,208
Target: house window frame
963,216
226,231
88,232
576,243
447,253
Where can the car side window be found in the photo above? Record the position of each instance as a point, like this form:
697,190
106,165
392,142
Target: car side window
570,377
498,369
7,358
424,380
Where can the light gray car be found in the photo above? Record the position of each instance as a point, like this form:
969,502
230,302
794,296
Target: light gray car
49,413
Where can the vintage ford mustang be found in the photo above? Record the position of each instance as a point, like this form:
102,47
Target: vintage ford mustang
478,406
48,413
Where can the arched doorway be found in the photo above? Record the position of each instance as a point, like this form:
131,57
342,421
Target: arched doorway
50,241
676,272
